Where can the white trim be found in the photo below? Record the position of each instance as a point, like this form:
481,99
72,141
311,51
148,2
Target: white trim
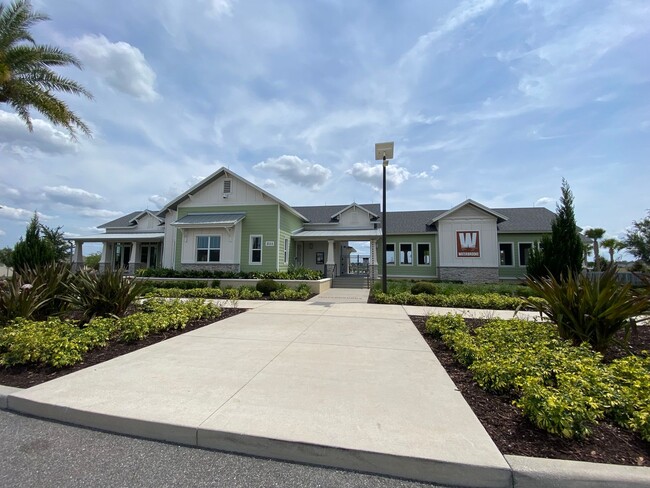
512,254
286,251
250,249
519,252
400,254
418,254
394,263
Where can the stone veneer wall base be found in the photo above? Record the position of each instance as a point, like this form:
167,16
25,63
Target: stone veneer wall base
469,275
231,268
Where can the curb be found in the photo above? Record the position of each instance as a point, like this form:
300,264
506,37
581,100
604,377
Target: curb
529,472
5,391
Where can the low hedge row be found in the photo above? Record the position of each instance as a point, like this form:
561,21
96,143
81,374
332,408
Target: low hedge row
493,301
291,274
561,388
243,293
60,343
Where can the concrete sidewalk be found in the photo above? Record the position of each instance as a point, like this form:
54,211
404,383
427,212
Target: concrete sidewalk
333,381
348,385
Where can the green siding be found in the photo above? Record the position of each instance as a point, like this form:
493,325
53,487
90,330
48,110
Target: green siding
260,220
515,271
398,270
288,224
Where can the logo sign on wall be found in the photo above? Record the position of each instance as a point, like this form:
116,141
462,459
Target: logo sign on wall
468,244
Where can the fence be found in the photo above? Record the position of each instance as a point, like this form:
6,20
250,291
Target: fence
623,277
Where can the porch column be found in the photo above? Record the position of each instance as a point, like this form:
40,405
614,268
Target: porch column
134,258
78,262
330,264
105,260
373,267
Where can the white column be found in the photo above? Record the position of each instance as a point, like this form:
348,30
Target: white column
330,264
104,262
78,255
373,267
134,258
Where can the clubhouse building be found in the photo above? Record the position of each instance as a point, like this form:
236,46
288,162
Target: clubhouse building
227,223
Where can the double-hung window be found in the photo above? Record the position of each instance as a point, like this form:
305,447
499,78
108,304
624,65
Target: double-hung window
256,250
208,249
390,253
406,253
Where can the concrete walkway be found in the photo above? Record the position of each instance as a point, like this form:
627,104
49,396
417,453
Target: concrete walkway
332,381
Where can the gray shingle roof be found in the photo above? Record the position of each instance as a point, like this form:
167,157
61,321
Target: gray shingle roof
533,219
322,214
123,221
408,222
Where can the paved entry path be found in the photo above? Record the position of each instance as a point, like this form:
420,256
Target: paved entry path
348,385
341,295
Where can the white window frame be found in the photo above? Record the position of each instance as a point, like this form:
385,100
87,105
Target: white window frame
512,245
417,247
286,251
250,249
519,252
196,248
400,254
394,254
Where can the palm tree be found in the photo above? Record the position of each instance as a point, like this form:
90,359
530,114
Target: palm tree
612,245
26,78
595,234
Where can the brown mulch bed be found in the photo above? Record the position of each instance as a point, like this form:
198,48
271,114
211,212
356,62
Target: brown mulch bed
30,375
514,434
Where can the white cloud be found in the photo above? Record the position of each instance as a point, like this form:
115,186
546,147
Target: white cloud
73,196
296,170
269,183
434,168
120,64
544,202
2,233
13,213
371,174
45,138
100,213
158,200
219,8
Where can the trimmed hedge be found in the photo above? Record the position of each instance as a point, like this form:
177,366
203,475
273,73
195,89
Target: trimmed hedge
291,274
60,343
561,388
459,300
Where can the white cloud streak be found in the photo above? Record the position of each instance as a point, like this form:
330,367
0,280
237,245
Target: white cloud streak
121,65
298,171
73,196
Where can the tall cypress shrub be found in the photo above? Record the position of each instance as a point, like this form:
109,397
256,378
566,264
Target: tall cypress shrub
32,251
561,254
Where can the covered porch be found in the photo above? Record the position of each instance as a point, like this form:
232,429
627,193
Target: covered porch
129,251
329,250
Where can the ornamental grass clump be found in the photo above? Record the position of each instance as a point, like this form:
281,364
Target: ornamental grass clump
102,294
587,309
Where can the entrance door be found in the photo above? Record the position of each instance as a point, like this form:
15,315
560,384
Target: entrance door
149,255
122,255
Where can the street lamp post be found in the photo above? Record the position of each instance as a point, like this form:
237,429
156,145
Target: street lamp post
384,152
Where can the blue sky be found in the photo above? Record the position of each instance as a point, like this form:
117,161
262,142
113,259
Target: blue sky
491,100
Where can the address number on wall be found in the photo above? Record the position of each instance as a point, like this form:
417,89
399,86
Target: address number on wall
269,243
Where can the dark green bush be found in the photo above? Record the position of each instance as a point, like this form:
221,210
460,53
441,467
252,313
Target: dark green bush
425,287
291,274
103,294
588,309
267,286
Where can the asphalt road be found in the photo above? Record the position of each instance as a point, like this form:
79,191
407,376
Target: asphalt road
39,453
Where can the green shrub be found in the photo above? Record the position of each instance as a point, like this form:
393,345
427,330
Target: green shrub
289,294
53,342
267,286
107,293
424,287
458,300
249,293
632,378
291,274
587,309
54,278
159,315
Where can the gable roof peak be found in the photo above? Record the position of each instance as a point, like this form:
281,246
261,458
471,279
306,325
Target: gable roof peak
499,216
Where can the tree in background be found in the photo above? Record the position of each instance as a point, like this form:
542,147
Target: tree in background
5,256
92,260
637,240
26,78
612,245
33,250
56,238
595,234
562,253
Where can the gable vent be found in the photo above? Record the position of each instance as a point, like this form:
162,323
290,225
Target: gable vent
227,184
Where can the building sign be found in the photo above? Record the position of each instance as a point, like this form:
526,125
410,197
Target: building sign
467,244
269,243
